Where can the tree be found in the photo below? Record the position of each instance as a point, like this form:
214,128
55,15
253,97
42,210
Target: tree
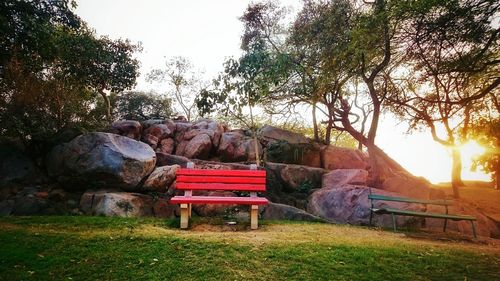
52,67
184,81
487,133
452,50
104,65
141,105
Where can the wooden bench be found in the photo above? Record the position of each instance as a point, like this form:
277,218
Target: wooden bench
189,180
393,211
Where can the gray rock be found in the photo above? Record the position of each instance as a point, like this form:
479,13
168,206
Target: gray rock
16,167
6,207
269,134
101,159
127,128
120,204
350,204
275,211
297,177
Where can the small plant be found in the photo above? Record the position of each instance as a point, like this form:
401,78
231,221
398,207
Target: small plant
305,186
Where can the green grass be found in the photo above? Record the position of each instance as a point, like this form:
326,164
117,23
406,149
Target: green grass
98,248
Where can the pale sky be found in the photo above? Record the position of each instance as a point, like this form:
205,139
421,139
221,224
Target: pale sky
206,32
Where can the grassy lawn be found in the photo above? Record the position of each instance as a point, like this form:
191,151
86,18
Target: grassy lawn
99,248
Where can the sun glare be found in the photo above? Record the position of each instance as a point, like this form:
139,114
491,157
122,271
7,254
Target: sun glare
471,149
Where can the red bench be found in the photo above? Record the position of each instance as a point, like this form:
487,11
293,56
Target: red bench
190,180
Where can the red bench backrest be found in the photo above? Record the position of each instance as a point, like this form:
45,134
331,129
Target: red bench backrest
242,180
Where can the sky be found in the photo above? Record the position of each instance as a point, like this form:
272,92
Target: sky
207,32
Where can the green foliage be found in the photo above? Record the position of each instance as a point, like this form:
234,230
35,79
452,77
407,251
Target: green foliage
305,187
135,105
52,67
83,248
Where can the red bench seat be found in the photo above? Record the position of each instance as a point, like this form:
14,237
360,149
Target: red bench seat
252,181
219,200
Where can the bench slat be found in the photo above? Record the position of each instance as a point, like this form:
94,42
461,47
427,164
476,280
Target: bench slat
227,173
218,200
221,179
220,186
421,214
410,200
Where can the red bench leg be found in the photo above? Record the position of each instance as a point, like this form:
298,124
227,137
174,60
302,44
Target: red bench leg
184,216
254,217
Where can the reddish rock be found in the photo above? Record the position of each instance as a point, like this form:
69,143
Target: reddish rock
311,157
127,128
207,210
198,147
151,140
343,158
42,194
161,179
236,147
166,146
409,186
156,133
337,178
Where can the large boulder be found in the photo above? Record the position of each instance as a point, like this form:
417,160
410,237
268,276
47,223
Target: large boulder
101,160
154,134
166,146
165,159
275,211
235,146
282,151
197,140
148,123
127,128
411,186
120,204
297,177
343,158
161,179
198,147
270,134
17,167
350,204
338,178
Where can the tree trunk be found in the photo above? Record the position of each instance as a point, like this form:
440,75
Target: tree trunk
456,171
255,140
107,104
497,174
315,123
